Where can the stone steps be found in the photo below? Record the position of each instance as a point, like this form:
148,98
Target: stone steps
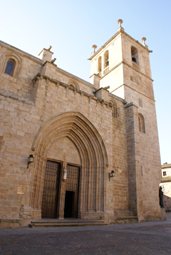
65,223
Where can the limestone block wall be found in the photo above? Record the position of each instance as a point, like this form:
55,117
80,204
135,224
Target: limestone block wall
26,68
147,159
131,110
106,136
21,119
120,182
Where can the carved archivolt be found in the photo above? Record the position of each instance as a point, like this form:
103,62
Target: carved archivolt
92,152
73,83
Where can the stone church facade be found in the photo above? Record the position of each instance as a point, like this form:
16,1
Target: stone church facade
70,148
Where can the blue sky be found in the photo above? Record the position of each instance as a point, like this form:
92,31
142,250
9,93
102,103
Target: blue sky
73,26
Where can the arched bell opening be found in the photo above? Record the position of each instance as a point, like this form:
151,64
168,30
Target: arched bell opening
93,158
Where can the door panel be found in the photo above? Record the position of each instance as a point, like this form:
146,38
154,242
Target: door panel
50,191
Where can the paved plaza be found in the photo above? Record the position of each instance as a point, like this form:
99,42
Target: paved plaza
137,239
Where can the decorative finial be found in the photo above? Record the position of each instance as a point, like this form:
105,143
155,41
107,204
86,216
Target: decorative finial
50,47
94,47
120,21
120,28
143,39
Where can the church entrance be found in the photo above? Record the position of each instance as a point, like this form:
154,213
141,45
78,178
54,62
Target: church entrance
74,187
72,190
51,190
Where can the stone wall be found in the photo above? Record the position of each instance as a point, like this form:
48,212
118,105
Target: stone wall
22,114
54,115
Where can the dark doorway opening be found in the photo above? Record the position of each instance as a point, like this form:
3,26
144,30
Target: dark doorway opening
69,202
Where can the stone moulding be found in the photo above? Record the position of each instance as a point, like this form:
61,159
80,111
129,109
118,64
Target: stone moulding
59,83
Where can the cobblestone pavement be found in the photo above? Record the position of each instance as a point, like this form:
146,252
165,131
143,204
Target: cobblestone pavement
137,238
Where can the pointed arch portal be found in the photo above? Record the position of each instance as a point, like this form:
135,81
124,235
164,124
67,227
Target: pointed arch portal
93,156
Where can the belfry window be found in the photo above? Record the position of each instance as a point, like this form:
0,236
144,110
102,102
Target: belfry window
141,123
134,55
10,67
106,59
99,64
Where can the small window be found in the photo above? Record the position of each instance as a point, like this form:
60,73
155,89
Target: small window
164,173
134,55
141,123
10,67
99,64
106,59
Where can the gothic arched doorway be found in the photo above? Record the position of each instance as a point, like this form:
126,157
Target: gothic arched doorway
93,159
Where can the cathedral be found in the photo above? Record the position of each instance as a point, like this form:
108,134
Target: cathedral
76,149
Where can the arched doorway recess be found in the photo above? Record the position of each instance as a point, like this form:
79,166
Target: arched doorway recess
91,148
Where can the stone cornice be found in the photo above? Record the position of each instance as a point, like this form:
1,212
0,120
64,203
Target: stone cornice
81,92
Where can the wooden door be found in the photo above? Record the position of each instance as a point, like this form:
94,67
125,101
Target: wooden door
50,191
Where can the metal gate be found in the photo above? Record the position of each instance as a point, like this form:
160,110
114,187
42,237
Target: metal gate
50,191
72,189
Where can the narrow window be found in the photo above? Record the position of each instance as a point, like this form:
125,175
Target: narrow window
141,123
134,55
106,59
10,67
164,173
99,64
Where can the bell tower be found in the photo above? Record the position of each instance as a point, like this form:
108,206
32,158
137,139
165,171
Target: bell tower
123,64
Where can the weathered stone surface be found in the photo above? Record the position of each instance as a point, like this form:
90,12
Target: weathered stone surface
53,115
